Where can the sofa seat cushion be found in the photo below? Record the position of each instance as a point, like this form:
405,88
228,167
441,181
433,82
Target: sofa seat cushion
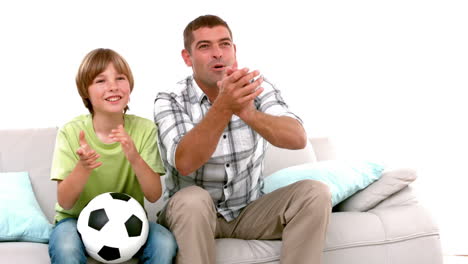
373,233
24,253
395,234
236,251
379,226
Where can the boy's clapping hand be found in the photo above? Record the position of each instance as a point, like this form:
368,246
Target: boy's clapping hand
88,156
128,147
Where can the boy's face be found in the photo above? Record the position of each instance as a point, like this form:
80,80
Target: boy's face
109,92
212,51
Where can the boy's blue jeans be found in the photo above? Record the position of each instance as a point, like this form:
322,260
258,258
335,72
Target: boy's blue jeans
66,247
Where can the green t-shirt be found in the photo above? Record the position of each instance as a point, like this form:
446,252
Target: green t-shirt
115,174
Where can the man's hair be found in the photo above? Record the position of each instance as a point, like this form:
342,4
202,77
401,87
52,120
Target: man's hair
209,21
94,63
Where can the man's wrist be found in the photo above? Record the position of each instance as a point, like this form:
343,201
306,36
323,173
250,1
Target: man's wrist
248,116
224,111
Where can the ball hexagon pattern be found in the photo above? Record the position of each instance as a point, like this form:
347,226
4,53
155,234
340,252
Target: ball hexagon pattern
113,227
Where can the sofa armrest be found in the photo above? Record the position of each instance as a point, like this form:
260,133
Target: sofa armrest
404,197
391,182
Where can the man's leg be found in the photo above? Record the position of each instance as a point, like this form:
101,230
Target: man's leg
298,214
191,216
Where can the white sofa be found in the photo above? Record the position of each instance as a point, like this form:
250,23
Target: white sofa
394,230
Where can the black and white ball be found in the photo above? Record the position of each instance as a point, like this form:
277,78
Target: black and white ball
113,227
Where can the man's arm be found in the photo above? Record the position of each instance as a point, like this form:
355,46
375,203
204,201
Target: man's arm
197,146
280,131
273,120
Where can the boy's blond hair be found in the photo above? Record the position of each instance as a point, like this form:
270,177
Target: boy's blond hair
94,63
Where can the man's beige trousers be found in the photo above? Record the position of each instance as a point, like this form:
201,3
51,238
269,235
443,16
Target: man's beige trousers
298,214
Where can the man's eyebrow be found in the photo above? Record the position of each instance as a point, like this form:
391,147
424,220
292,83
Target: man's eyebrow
208,42
202,41
225,39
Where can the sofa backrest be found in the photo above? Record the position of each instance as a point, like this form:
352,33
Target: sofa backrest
31,150
279,158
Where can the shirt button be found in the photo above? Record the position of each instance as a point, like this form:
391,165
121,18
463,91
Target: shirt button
224,136
227,165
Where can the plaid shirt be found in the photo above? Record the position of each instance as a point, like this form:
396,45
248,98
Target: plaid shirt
233,174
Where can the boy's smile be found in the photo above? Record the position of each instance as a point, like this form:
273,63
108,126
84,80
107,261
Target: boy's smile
113,98
109,92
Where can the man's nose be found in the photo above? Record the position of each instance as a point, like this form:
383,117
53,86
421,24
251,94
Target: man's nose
217,52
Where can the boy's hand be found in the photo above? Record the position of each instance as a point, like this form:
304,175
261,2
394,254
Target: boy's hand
87,155
128,147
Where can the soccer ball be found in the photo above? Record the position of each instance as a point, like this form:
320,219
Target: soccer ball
113,227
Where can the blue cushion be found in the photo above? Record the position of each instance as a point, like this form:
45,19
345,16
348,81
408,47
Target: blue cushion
344,178
21,218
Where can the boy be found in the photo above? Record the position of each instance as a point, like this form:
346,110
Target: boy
105,151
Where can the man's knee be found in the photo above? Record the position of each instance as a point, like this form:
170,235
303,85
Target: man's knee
316,191
190,200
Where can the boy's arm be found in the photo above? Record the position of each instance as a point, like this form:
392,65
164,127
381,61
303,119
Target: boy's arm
69,189
149,180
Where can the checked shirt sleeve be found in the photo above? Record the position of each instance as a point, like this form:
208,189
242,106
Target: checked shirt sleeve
173,123
271,102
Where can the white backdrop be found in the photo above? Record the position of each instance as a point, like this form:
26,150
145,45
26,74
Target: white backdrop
384,79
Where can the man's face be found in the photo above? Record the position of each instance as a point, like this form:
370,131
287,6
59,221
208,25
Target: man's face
212,51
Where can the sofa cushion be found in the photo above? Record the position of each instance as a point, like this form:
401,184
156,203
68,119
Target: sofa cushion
344,178
24,253
31,150
237,251
399,234
21,218
392,181
378,236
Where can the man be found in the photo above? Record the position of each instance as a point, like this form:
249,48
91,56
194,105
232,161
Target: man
214,129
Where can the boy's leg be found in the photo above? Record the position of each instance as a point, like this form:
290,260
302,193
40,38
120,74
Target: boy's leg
65,245
298,214
191,216
160,247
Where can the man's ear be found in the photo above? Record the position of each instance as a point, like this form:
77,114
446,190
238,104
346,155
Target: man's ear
186,56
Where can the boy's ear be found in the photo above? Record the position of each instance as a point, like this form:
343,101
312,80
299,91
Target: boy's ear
187,58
